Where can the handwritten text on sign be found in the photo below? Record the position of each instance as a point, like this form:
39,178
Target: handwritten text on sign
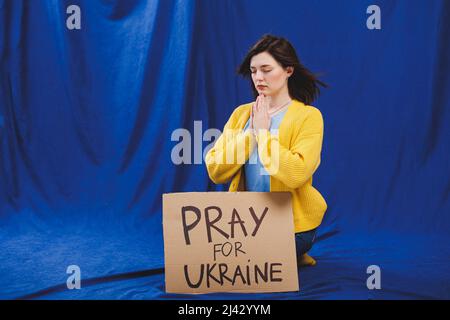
220,241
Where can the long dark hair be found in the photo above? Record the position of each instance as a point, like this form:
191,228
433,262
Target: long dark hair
303,85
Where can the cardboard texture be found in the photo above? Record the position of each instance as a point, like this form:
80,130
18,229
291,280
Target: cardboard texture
229,242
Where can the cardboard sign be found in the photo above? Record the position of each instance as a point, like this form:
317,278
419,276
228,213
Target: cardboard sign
229,242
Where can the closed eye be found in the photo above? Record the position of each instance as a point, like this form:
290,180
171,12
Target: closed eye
265,71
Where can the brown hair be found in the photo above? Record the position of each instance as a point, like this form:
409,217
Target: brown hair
302,84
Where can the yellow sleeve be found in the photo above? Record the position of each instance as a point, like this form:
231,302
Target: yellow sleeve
231,150
293,166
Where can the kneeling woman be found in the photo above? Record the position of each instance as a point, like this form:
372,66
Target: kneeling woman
281,135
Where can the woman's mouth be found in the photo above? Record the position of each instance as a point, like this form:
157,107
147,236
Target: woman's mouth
261,87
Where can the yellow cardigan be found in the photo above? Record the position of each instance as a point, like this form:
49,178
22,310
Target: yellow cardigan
299,144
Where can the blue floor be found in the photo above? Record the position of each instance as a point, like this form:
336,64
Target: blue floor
119,262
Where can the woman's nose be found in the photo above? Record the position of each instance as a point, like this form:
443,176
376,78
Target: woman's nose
258,75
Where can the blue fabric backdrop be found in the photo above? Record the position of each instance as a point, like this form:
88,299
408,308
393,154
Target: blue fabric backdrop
86,118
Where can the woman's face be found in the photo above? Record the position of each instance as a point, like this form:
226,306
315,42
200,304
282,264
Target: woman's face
268,75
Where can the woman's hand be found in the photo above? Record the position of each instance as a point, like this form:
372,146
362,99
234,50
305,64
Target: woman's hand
260,118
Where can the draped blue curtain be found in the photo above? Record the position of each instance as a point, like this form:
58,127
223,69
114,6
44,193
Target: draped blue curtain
87,117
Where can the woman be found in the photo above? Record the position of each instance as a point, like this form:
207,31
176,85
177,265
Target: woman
284,90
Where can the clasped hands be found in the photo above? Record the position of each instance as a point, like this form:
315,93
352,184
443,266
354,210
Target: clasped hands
259,114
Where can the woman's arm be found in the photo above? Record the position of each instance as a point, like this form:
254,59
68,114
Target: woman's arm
296,165
231,150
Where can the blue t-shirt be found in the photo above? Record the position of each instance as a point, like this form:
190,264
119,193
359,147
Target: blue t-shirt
256,177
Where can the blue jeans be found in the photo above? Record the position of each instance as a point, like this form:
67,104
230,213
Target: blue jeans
304,241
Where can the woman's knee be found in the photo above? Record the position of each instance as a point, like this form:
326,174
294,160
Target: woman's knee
304,241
